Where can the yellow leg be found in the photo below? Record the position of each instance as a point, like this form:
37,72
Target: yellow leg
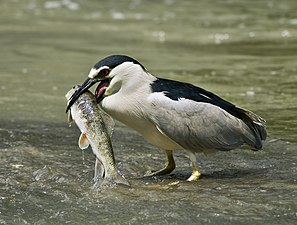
195,173
168,168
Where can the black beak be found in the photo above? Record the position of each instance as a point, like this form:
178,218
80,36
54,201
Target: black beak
83,88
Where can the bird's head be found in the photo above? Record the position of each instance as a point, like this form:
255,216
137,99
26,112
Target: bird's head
109,72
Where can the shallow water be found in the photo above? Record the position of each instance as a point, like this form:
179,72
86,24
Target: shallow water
245,51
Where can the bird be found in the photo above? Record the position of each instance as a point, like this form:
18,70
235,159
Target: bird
170,114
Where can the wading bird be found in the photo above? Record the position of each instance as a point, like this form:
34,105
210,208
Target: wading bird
169,114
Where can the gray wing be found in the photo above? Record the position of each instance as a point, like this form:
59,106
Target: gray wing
198,125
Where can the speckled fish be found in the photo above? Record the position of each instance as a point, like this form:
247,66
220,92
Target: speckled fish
94,131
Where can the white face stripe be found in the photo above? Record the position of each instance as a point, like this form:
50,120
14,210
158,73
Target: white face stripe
94,72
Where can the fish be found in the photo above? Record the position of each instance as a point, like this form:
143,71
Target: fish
96,132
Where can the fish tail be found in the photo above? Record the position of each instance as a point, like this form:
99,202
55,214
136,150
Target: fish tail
116,178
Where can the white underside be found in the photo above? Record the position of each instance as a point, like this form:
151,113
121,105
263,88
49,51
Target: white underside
138,121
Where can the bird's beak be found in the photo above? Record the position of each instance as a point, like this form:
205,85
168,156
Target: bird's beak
83,88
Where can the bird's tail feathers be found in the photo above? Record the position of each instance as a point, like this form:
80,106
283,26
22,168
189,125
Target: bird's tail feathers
257,125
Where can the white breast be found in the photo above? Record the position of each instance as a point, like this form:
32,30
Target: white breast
133,109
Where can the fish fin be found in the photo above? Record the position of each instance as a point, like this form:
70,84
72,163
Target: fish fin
83,142
99,170
115,178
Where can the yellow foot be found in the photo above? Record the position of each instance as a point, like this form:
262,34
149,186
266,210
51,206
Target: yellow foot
195,172
168,169
195,176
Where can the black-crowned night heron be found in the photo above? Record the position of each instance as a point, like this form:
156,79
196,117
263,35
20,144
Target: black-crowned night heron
169,114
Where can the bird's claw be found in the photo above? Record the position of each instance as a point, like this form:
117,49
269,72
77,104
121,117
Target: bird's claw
164,171
195,176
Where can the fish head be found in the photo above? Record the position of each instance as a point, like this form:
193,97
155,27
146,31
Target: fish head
93,78
71,92
70,118
68,97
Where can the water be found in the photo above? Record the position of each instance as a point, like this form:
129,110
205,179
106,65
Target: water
245,51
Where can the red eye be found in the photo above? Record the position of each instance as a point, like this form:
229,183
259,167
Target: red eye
104,72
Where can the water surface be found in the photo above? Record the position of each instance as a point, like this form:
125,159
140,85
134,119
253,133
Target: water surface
244,51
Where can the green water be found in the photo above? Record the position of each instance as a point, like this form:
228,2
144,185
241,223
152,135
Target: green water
244,51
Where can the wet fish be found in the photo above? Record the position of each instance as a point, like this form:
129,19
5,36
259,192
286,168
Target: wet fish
94,131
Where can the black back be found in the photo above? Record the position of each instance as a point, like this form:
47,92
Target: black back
175,90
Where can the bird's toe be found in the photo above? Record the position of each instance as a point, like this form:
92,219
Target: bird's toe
195,176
